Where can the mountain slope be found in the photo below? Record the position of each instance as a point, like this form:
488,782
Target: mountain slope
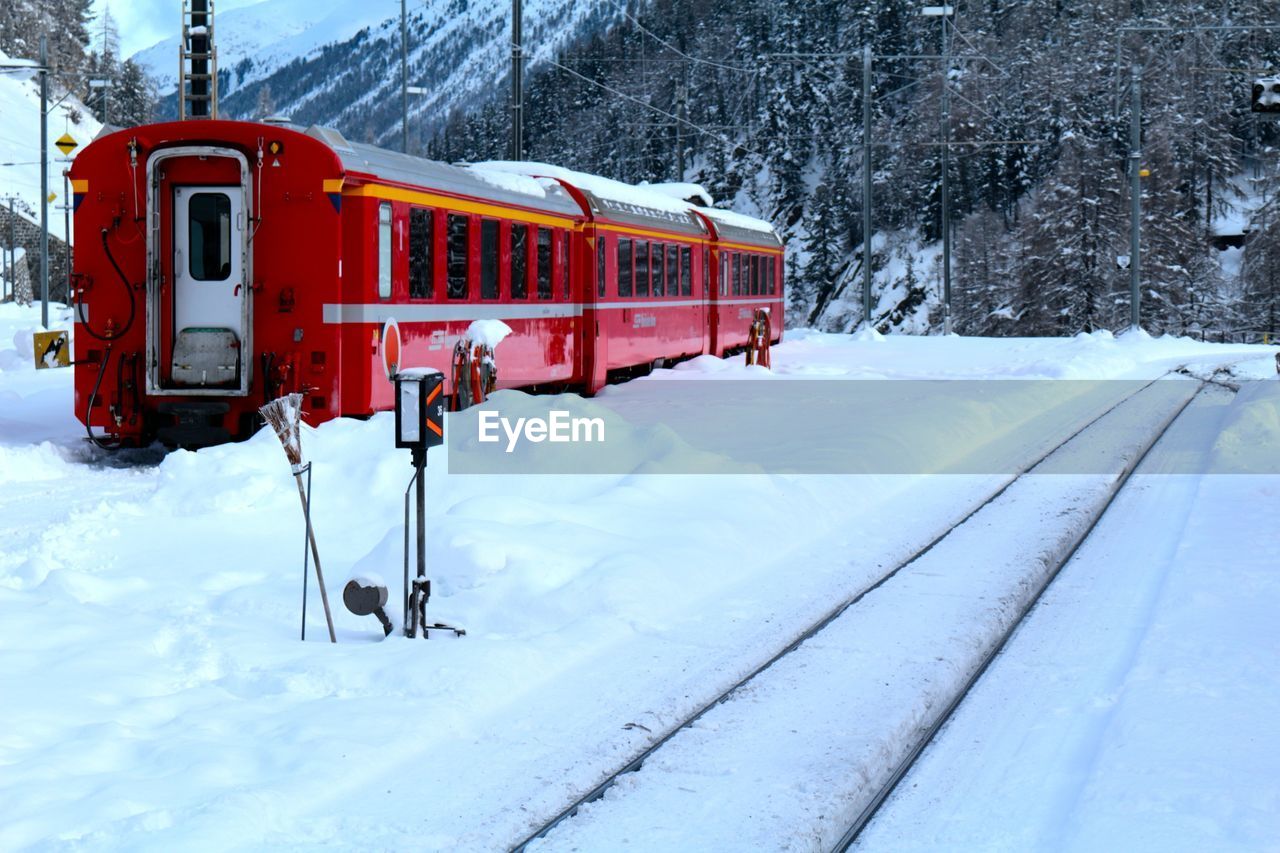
338,64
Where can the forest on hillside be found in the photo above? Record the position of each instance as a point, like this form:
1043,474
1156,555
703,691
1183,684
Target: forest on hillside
762,103
82,47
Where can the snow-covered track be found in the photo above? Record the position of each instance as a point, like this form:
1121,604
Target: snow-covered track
807,633
927,736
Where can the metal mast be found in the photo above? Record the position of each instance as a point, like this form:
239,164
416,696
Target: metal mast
197,62
404,80
866,186
1135,198
517,84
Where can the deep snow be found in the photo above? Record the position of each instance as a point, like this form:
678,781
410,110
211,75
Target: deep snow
157,697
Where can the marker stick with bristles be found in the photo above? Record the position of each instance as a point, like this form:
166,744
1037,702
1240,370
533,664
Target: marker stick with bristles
283,416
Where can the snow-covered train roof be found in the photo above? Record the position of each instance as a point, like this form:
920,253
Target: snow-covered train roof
537,185
418,171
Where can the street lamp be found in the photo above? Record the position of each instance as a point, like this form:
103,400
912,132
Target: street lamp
42,68
945,12
419,427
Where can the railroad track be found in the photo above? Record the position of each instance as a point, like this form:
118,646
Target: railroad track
637,762
868,813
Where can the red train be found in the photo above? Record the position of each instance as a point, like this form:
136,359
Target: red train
220,264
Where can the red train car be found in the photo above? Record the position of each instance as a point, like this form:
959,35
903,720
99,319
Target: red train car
220,264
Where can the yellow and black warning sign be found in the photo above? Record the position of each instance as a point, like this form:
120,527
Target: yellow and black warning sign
52,349
66,143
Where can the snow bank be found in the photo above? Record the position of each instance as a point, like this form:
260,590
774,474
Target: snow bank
149,613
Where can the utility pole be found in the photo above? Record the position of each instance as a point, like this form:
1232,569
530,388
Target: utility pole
66,224
946,168
517,83
682,94
404,80
1135,198
10,255
866,186
44,182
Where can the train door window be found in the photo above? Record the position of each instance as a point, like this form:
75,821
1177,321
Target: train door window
544,263
488,259
737,273
706,271
420,253
659,265
519,260
209,236
724,273
384,250
601,248
673,271
624,266
686,272
562,240
642,268
456,253
768,275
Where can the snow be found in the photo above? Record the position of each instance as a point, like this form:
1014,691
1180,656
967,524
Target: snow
605,188
20,141
740,220
683,191
665,197
157,695
271,33
487,333
1136,706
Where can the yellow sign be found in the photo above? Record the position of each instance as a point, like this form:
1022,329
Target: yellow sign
52,349
66,144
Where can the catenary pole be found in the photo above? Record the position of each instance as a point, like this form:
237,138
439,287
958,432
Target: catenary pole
44,182
946,168
404,80
866,186
517,83
1135,199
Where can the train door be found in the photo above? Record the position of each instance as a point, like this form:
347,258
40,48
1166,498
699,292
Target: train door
208,285
199,311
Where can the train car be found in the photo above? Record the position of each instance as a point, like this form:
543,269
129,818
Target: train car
221,264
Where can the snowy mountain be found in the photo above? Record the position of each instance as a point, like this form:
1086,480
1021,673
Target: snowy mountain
255,40
339,64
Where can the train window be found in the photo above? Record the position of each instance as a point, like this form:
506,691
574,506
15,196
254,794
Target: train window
706,271
724,273
755,275
737,273
624,266
488,259
420,222
209,236
642,268
519,260
686,272
600,265
563,242
768,275
384,250
659,265
673,270
459,226
544,263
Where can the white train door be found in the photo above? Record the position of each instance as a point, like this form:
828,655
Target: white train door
208,285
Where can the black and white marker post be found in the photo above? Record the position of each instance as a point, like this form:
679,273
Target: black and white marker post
419,426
